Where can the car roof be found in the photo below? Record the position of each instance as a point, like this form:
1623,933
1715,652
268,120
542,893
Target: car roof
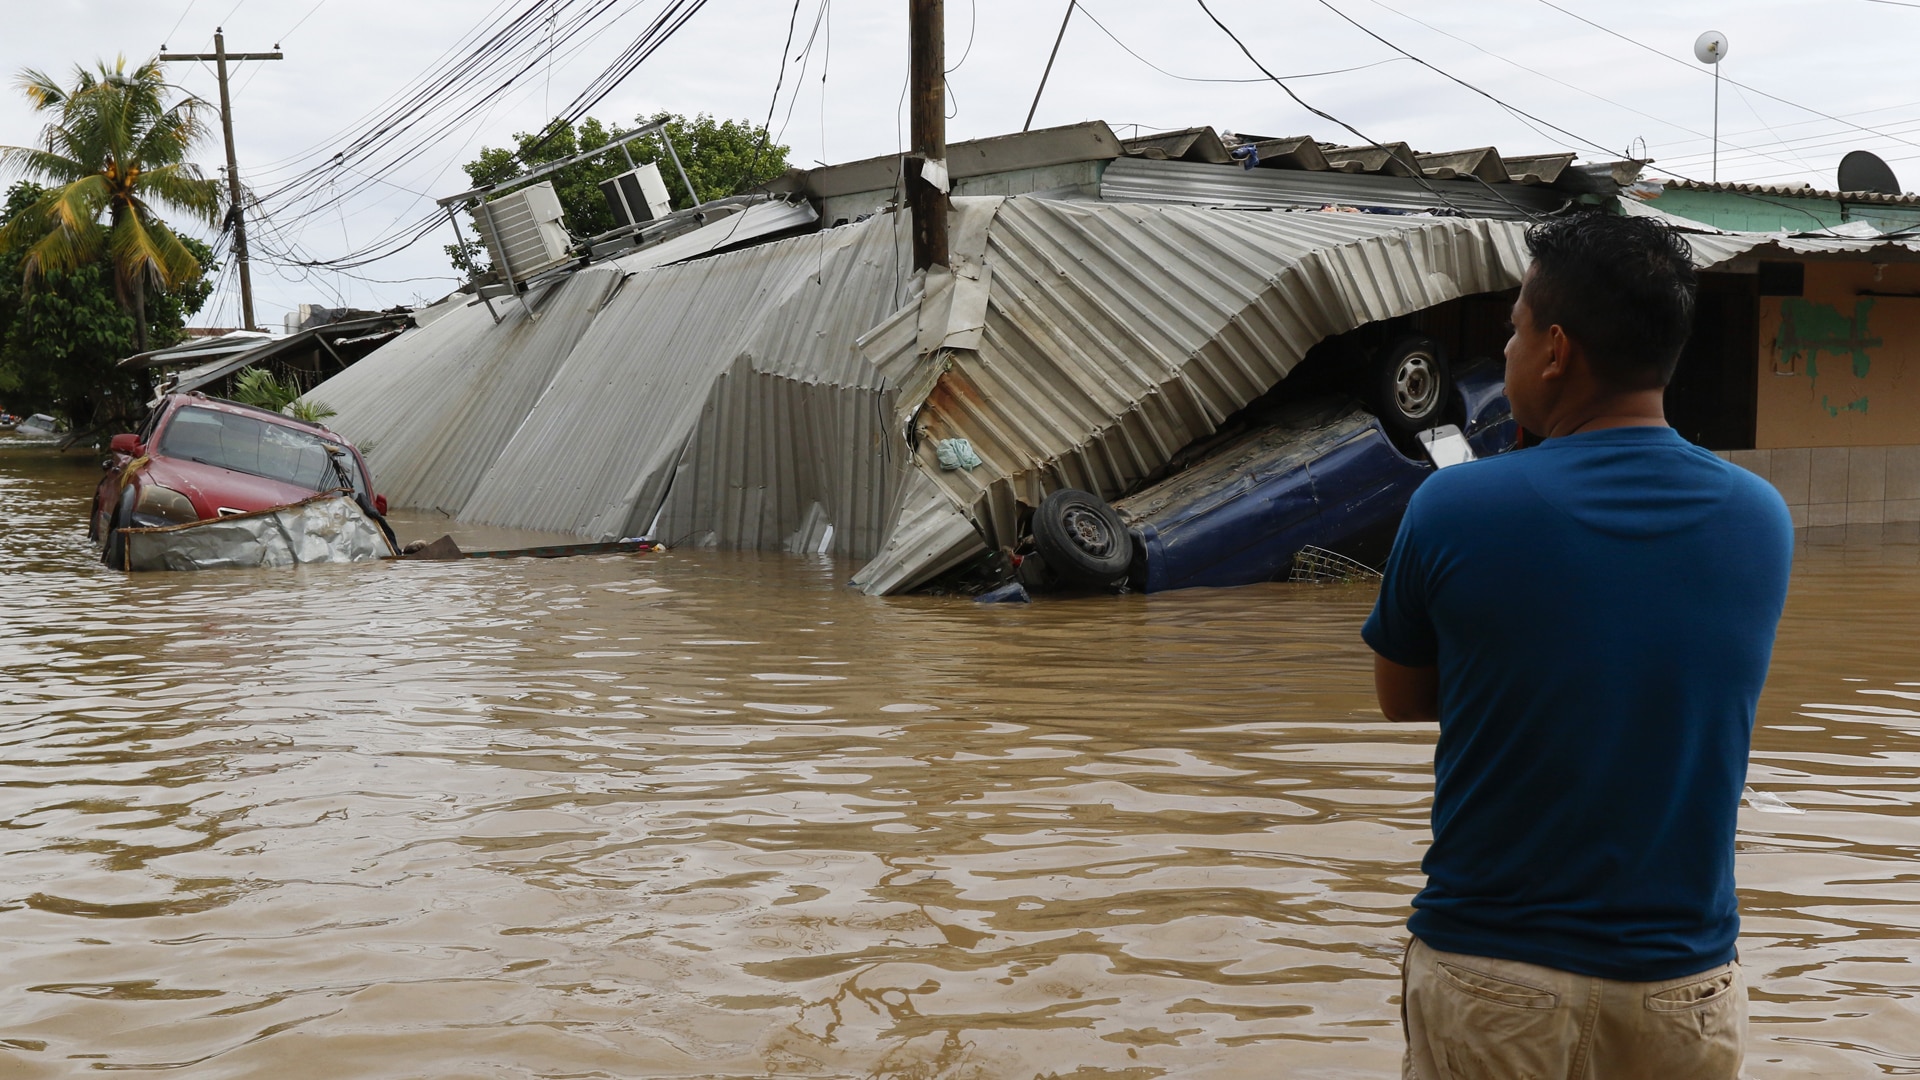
224,405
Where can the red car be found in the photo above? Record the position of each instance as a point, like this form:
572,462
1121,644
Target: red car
201,457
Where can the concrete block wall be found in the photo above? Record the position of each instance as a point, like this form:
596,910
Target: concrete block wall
1840,485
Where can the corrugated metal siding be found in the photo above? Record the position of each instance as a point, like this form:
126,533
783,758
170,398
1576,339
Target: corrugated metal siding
391,401
1118,334
927,537
736,372
437,421
1140,180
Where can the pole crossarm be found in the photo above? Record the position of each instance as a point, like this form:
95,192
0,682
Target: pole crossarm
230,56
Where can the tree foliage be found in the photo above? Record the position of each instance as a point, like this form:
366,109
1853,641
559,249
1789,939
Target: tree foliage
260,387
114,150
721,157
61,339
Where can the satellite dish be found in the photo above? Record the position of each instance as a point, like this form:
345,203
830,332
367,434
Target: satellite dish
1864,171
1710,47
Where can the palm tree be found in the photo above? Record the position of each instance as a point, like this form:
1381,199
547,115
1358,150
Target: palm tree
115,149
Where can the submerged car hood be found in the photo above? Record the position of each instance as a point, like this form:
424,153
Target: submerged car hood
212,488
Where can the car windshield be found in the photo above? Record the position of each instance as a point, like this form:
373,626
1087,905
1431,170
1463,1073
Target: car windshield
261,447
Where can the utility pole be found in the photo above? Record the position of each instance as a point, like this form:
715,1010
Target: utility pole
927,168
237,208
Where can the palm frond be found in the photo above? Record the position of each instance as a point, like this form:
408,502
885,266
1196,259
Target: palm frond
172,135
60,250
183,187
40,90
148,251
27,161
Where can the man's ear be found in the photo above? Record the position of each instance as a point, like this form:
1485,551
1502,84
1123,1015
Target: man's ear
1560,350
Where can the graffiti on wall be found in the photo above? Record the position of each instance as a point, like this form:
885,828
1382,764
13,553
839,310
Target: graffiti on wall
1809,328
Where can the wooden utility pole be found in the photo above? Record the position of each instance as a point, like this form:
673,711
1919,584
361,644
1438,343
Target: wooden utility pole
237,208
927,167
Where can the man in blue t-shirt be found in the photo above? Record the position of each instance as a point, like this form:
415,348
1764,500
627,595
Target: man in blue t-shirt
1590,621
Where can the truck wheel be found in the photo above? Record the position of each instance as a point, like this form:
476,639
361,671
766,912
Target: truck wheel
114,554
1082,539
1411,383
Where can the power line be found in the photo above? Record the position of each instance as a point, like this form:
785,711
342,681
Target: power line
183,18
513,47
1741,85
1563,82
1462,82
1413,167
1189,78
1509,108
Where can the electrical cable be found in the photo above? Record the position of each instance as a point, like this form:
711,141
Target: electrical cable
1741,85
504,46
178,21
1413,167
1553,79
1461,82
1521,113
1189,78
973,24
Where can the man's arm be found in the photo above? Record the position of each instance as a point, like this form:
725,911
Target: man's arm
1407,694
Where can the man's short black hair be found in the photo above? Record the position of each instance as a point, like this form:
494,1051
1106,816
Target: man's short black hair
1623,287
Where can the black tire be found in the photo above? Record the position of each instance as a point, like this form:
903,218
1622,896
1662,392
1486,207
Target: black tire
114,553
1082,539
1412,383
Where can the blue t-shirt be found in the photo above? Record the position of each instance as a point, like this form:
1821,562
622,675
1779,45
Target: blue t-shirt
1601,609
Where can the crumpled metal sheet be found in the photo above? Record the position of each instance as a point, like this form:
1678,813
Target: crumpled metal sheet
328,528
1114,335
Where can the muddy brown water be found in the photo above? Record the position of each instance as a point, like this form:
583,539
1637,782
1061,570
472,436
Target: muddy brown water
708,814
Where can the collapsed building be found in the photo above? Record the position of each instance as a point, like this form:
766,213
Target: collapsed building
770,374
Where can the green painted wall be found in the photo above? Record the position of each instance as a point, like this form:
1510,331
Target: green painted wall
1772,213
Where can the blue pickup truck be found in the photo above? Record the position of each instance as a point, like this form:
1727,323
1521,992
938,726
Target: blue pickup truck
1322,472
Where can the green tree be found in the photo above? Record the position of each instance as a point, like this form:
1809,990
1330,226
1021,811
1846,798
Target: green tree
115,149
61,340
722,158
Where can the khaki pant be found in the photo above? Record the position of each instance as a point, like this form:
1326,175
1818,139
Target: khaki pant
1475,1018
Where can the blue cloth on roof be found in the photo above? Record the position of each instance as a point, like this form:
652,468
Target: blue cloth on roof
1601,609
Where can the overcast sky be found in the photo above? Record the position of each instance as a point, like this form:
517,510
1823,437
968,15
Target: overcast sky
346,59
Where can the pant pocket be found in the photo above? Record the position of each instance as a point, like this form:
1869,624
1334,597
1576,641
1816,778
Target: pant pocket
1701,1022
1486,987
1703,993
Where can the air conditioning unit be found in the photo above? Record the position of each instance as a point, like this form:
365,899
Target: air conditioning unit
637,197
523,231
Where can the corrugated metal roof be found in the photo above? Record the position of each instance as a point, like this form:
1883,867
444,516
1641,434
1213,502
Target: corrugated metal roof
1714,247
439,403
723,394
734,230
1115,334
1140,180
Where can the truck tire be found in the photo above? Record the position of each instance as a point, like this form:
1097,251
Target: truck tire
1412,383
1082,540
114,553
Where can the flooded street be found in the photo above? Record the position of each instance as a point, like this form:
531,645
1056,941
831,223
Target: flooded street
714,814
